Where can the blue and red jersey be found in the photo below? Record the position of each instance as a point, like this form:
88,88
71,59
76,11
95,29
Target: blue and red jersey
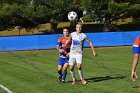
61,43
137,42
136,46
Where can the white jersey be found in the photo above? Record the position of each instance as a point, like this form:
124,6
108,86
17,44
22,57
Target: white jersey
77,43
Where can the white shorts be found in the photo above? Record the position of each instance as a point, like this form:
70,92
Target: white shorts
75,59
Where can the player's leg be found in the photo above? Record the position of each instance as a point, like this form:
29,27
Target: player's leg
64,71
80,71
71,65
135,62
135,58
136,52
79,66
73,74
59,69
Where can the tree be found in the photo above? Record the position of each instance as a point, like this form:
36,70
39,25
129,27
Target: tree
118,8
58,9
94,5
134,10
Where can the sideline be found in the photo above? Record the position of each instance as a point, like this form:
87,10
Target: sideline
6,89
48,50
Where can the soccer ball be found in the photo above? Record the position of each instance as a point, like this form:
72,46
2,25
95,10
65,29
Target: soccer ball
72,15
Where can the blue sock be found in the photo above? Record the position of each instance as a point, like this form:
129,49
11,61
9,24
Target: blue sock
60,72
64,74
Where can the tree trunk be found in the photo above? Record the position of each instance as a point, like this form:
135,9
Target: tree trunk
54,24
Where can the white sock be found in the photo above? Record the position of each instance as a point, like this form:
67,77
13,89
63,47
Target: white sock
80,73
72,74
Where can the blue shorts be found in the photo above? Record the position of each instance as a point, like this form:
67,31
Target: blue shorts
136,50
62,61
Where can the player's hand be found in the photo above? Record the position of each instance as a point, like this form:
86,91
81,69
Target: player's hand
134,76
61,50
94,53
67,55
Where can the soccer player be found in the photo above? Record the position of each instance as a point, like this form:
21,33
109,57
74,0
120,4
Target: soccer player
64,55
136,52
76,52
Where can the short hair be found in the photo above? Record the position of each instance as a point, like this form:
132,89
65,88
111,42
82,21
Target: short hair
79,24
66,28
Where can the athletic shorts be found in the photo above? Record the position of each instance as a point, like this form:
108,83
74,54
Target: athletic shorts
62,61
75,59
136,50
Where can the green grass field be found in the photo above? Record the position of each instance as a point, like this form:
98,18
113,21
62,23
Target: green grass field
35,72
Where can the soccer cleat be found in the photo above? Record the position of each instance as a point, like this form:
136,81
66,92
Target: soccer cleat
63,81
60,78
83,81
73,81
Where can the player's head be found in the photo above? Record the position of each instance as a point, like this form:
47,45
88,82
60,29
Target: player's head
78,28
65,31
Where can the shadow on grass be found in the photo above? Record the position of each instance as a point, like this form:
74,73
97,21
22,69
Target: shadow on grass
137,87
99,79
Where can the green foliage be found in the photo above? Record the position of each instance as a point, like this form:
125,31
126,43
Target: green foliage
5,14
116,8
89,16
6,10
58,9
9,12
94,5
86,4
134,9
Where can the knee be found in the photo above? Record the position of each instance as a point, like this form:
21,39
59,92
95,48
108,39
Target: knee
136,56
71,69
59,69
79,68
64,69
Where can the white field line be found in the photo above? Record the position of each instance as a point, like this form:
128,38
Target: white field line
6,89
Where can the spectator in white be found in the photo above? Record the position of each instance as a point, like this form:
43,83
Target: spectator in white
84,13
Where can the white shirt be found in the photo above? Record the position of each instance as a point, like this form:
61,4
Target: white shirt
77,43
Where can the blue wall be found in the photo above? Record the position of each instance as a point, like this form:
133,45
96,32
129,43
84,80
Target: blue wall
113,38
34,42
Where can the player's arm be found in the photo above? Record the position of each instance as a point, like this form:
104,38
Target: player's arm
59,46
134,65
91,45
59,49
